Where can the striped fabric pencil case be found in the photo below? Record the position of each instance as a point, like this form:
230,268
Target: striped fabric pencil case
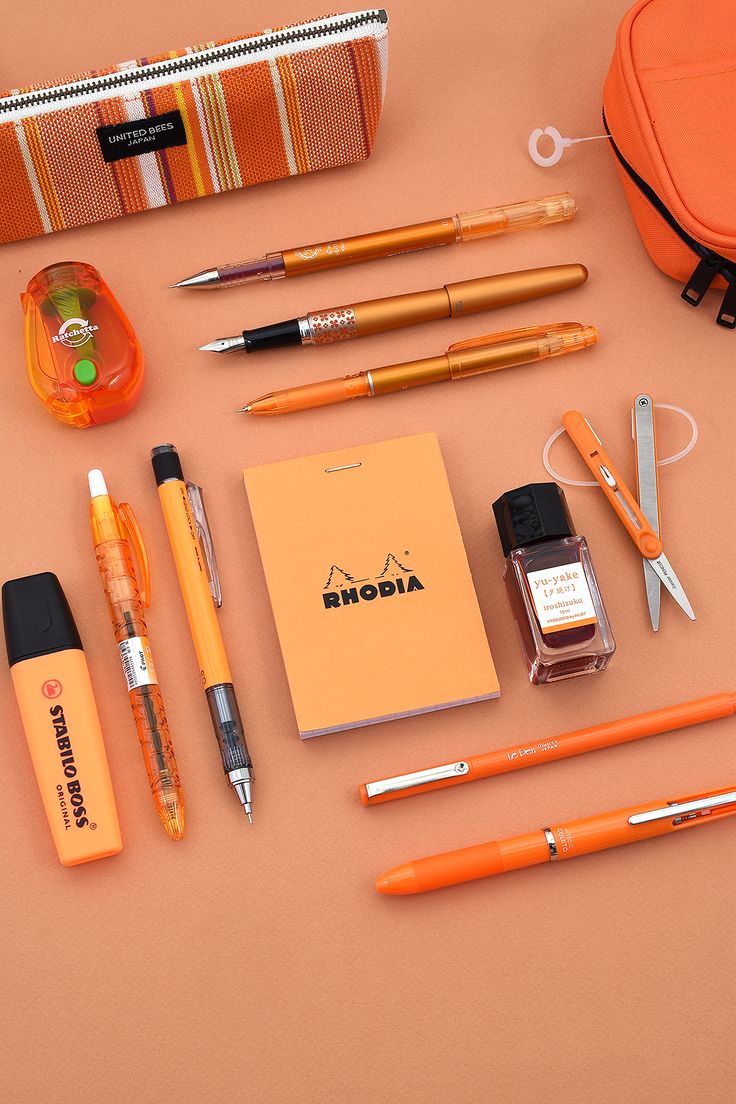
189,123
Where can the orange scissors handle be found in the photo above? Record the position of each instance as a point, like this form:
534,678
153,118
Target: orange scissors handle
582,435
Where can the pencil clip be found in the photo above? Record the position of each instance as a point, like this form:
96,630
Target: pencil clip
135,540
204,533
416,778
679,811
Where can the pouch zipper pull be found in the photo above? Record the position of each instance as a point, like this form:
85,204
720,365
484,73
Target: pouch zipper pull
727,313
701,279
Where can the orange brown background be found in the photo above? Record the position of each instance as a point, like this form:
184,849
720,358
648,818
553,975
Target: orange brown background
259,964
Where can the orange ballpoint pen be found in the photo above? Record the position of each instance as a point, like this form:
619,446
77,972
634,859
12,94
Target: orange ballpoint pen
562,841
465,358
114,530
526,215
534,752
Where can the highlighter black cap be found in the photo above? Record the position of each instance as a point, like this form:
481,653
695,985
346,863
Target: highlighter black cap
37,618
531,514
166,464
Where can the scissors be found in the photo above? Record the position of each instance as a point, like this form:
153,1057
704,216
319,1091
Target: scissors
643,528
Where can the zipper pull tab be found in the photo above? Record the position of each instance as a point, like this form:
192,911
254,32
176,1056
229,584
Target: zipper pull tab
701,279
727,313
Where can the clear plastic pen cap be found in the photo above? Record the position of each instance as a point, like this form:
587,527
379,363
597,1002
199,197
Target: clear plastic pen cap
515,216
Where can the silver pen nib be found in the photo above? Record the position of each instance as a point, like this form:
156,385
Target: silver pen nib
223,345
209,278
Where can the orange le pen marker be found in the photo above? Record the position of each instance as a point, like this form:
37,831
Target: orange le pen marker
114,530
526,215
466,358
562,841
534,752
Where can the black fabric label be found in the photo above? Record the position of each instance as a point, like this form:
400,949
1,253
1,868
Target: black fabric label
141,136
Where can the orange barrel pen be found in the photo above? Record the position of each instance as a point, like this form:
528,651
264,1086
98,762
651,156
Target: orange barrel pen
115,530
562,841
535,752
186,523
393,312
526,215
465,358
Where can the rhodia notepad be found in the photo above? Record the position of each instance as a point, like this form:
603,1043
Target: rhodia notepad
369,584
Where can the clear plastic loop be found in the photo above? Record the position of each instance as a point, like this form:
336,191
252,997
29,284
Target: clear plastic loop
560,144
660,463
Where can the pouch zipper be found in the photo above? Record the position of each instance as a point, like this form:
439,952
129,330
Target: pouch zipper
66,95
710,265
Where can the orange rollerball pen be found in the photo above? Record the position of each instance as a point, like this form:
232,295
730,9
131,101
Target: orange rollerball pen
562,841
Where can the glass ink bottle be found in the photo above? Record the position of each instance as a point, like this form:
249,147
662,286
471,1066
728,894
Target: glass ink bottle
551,584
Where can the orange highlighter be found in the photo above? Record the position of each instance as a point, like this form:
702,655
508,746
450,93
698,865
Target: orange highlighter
562,841
114,530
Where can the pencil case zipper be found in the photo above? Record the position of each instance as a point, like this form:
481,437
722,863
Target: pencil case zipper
710,264
205,62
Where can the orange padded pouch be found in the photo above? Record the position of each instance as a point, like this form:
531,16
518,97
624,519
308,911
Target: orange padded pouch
190,123
669,107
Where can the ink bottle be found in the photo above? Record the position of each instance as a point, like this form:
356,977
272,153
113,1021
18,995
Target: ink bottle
552,587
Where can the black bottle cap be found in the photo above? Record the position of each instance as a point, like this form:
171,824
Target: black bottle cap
37,618
533,513
166,464
273,337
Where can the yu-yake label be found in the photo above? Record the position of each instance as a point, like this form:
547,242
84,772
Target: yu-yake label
137,661
561,597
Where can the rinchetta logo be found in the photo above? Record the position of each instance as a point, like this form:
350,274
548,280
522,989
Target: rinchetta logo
343,589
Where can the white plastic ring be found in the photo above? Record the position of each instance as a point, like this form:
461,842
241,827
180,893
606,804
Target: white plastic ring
660,463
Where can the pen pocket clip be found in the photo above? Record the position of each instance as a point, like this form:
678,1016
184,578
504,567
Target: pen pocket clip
514,335
138,545
204,533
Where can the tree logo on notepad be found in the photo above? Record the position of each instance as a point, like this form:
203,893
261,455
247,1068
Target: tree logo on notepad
343,589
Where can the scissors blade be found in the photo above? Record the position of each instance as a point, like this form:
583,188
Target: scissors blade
648,488
654,593
664,569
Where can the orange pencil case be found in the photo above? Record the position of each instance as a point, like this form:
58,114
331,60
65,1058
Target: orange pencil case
668,108
190,123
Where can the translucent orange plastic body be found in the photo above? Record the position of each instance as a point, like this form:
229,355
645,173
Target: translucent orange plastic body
82,356
192,572
531,753
562,841
125,605
63,732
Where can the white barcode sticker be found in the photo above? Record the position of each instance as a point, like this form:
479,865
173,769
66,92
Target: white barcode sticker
137,661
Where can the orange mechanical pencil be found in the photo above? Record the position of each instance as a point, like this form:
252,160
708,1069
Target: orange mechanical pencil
526,215
562,841
199,581
535,752
465,358
115,531
393,312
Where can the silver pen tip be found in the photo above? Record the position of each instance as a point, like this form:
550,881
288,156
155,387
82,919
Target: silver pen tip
209,278
248,813
223,345
243,410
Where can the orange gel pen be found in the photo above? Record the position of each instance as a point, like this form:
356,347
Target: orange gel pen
114,530
526,215
466,358
562,841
